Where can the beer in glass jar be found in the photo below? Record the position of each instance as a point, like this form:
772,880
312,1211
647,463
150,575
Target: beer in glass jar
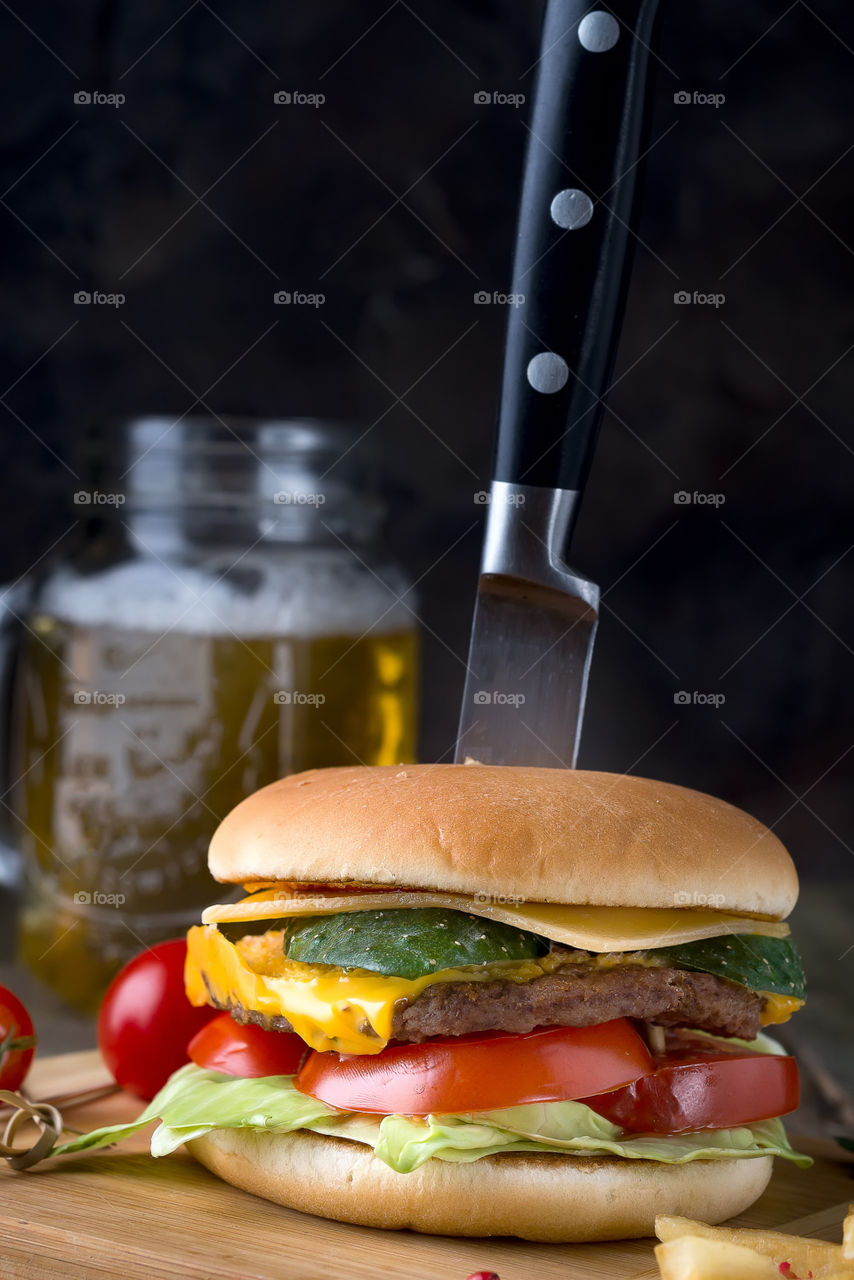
230,618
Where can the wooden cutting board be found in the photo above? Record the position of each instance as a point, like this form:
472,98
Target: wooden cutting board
120,1213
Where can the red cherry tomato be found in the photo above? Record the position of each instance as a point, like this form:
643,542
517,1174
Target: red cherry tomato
146,1021
17,1041
698,1087
245,1050
479,1073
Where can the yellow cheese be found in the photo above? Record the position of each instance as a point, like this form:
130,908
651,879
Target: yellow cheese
350,1010
777,1008
601,929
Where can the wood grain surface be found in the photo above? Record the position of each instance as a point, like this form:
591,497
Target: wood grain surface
119,1213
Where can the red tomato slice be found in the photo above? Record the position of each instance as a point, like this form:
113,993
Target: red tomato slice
479,1073
704,1089
245,1050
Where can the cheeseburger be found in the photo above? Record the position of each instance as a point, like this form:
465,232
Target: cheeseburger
475,1000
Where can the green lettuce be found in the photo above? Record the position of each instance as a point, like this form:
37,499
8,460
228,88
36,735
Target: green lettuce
194,1101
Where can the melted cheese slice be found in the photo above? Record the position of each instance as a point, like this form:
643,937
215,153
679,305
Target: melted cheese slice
602,929
350,1010
777,1008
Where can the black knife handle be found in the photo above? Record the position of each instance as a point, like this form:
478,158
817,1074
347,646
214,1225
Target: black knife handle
578,201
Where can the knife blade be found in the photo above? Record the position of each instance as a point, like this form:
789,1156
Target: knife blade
532,635
535,619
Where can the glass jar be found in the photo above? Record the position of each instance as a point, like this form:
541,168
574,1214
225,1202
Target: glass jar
229,618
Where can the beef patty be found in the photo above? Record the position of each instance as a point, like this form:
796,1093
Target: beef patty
573,996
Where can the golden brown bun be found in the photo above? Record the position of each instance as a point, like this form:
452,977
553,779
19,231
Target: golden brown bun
537,1197
547,835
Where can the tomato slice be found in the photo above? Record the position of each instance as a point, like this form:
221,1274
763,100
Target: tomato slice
238,1049
698,1087
481,1072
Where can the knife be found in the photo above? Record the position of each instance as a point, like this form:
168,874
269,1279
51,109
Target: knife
535,619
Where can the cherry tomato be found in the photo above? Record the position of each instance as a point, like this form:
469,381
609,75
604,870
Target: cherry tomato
702,1085
17,1041
479,1073
146,1021
245,1050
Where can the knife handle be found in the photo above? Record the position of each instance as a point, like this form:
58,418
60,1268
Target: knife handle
573,240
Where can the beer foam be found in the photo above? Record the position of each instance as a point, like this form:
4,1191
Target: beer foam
311,594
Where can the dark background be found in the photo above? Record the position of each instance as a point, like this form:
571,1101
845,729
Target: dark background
198,198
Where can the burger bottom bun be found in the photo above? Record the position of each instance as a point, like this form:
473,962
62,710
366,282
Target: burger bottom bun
538,1197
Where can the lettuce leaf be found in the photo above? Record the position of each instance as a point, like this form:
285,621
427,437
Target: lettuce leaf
568,1127
194,1101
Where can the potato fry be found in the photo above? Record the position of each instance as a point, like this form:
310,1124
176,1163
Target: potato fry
695,1258
804,1255
848,1234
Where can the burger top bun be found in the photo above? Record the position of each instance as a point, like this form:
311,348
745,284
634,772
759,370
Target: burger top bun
546,835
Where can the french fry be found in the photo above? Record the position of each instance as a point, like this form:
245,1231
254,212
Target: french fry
848,1234
803,1255
696,1258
